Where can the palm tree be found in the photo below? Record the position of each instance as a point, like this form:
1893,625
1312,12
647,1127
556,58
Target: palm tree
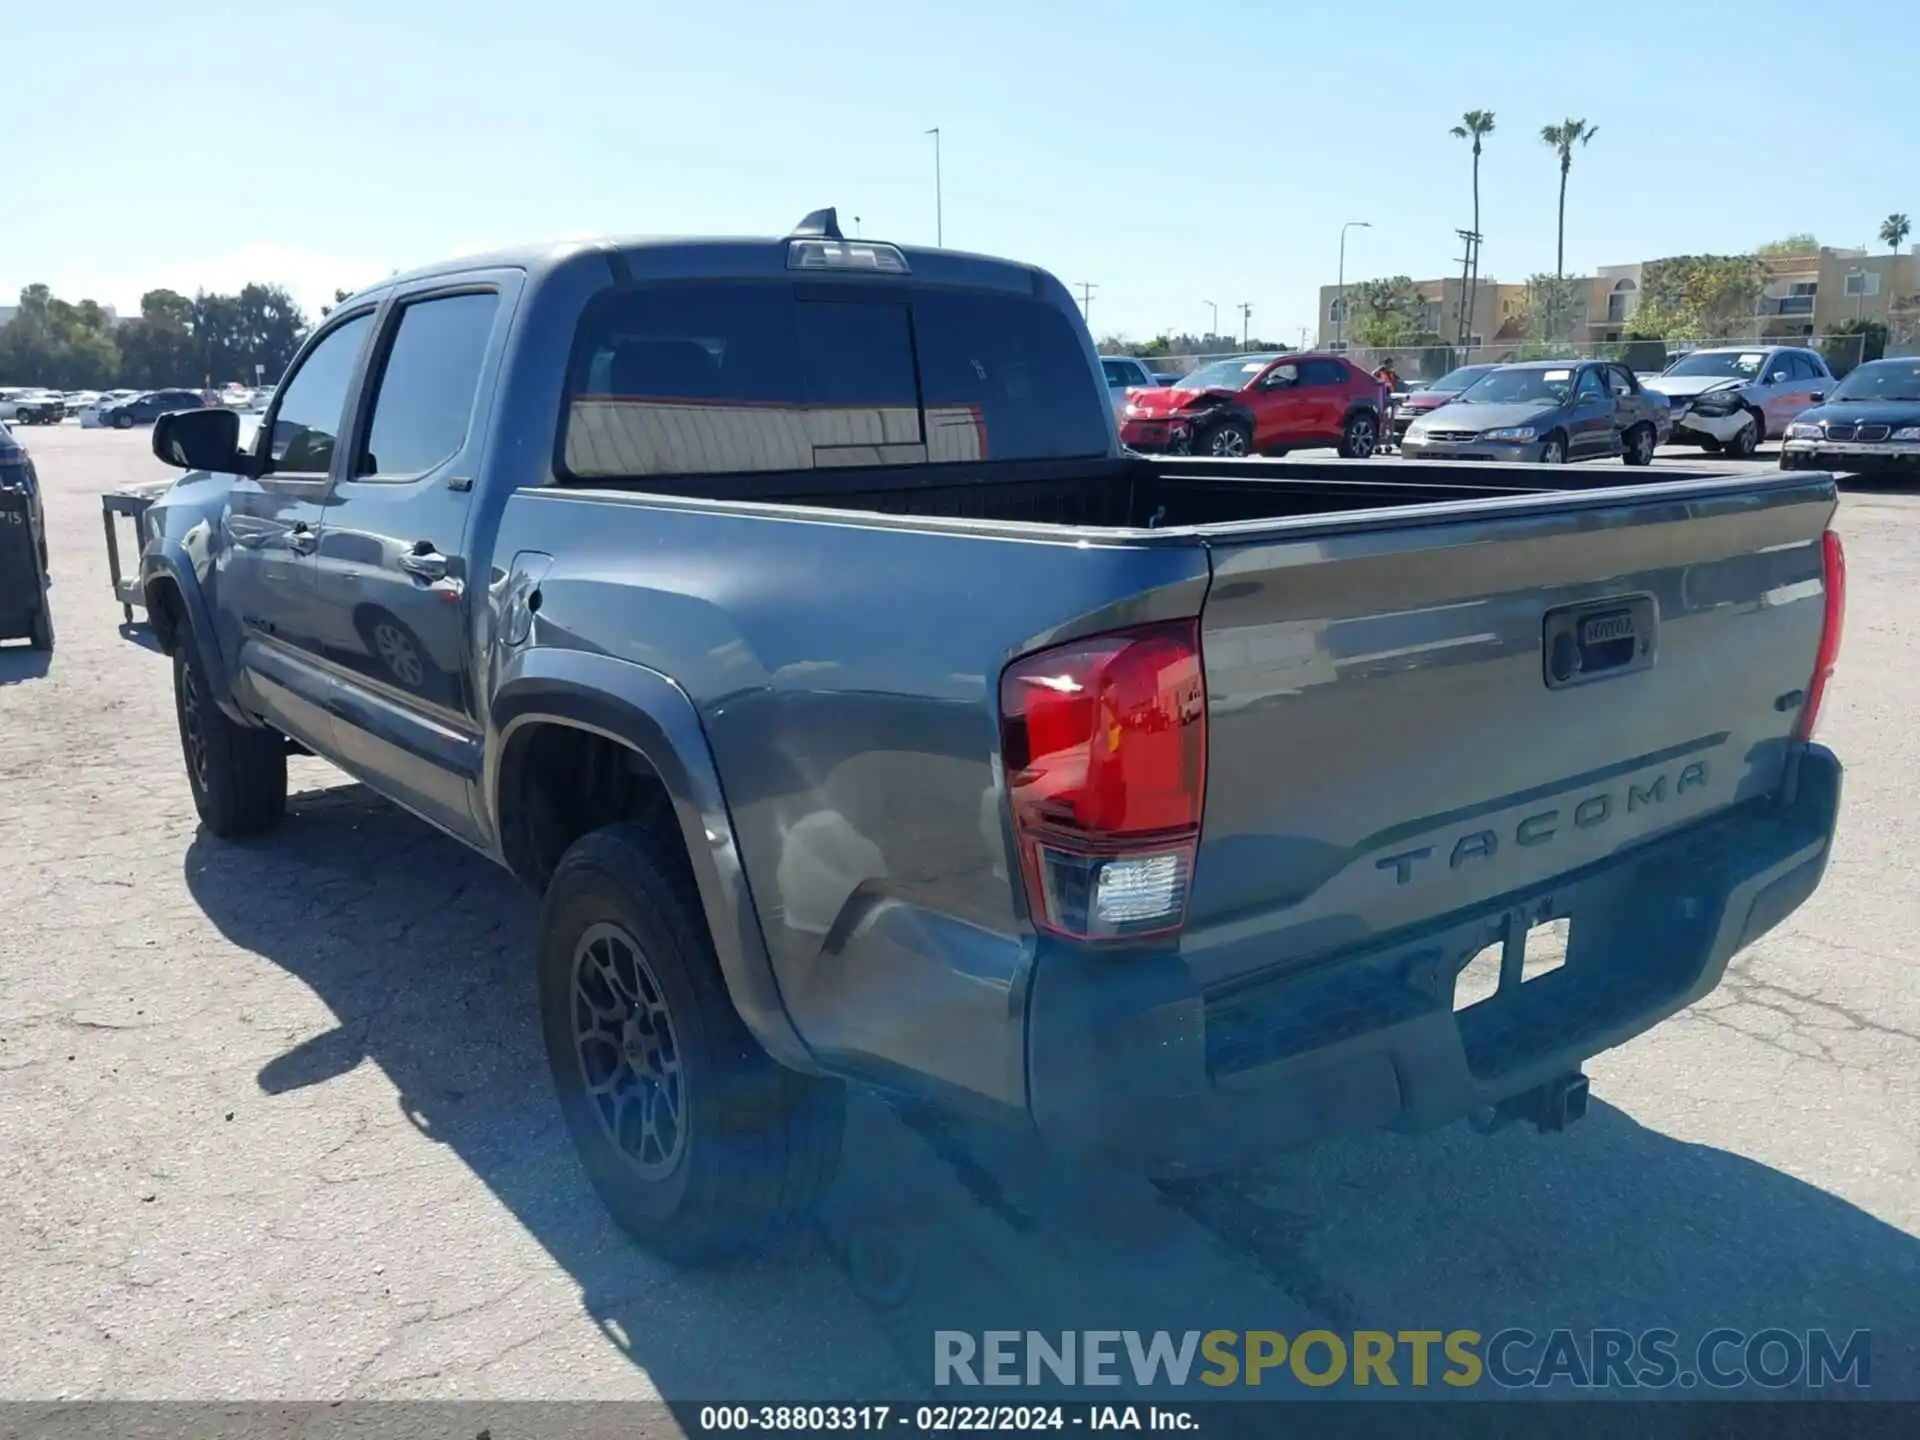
1563,137
1894,231
1475,125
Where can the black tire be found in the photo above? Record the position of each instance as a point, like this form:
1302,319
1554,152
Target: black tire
1553,449
1225,440
123,421
238,773
1360,437
1639,445
40,630
1746,440
732,1148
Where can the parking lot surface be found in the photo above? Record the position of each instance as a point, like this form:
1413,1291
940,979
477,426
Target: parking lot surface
275,1122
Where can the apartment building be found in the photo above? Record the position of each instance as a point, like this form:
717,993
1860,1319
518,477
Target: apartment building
1805,295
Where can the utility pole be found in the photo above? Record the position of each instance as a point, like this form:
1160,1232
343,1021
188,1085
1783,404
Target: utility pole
1214,327
1087,287
1246,316
939,218
1469,267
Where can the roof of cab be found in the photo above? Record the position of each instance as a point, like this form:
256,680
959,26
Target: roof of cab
748,256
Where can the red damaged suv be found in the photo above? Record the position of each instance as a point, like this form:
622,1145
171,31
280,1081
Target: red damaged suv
1259,405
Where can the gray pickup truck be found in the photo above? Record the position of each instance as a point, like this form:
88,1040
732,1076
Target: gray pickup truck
787,613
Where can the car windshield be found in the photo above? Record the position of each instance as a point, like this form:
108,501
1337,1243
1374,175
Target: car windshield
1882,380
1455,381
1234,374
1725,364
1506,387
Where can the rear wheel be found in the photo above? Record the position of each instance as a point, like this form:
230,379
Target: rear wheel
697,1141
238,773
1226,439
1638,448
1360,437
1746,439
123,421
1553,450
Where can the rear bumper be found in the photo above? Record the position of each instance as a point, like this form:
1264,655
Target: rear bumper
1126,1057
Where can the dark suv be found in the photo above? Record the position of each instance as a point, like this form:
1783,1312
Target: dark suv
147,408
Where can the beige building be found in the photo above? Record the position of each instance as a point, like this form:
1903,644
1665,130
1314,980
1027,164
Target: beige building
1805,296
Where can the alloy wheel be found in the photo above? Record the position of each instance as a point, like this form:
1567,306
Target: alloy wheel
628,1051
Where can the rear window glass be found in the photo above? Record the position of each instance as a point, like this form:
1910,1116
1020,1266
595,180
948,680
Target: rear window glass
705,379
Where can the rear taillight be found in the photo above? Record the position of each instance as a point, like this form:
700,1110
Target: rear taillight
1833,567
1105,744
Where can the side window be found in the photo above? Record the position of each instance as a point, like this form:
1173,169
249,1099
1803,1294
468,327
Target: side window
1281,377
1315,373
1120,373
1620,382
1807,368
423,401
313,400
1590,386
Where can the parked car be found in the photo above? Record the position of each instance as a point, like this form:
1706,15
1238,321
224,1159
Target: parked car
1417,401
1734,396
1259,405
145,409
1545,412
1154,805
1869,425
31,407
1123,373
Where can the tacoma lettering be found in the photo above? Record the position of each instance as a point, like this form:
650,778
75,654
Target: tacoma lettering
1542,827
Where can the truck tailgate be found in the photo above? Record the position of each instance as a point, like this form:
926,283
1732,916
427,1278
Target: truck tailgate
1409,720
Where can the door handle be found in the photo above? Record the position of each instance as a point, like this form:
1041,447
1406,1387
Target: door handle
424,561
302,539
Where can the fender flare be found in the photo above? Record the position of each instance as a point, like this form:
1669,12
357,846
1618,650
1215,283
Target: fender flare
165,561
651,715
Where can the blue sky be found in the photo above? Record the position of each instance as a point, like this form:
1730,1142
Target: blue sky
1171,153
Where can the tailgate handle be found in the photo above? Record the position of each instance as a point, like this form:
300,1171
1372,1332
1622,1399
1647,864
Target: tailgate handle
1598,640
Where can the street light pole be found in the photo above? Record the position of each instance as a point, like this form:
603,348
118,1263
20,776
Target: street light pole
1214,328
1340,304
939,219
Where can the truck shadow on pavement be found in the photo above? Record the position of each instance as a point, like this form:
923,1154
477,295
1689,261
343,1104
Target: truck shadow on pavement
20,663
422,952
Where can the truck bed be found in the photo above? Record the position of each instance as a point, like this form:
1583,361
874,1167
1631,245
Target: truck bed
1154,492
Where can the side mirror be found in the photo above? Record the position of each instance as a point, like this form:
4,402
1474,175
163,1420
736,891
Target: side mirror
201,440
1817,396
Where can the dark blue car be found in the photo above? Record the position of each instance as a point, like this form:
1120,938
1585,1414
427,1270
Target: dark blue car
147,408
1869,426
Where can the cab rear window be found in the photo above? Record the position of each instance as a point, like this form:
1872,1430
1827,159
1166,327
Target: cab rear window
733,378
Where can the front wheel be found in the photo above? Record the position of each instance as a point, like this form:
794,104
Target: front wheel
1224,440
697,1141
123,422
1360,437
238,773
1745,440
1638,449
1553,451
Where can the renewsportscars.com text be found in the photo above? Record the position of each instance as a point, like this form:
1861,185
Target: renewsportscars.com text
1513,1359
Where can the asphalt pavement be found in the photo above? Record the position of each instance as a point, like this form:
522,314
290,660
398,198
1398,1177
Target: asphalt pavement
275,1122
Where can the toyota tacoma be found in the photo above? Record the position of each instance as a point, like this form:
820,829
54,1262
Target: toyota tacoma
787,614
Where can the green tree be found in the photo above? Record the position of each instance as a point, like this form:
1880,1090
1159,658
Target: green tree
1801,244
157,347
1699,297
57,343
1475,125
1895,229
1551,302
1383,314
1562,138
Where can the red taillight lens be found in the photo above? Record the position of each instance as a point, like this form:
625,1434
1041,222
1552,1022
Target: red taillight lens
1833,566
1105,744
